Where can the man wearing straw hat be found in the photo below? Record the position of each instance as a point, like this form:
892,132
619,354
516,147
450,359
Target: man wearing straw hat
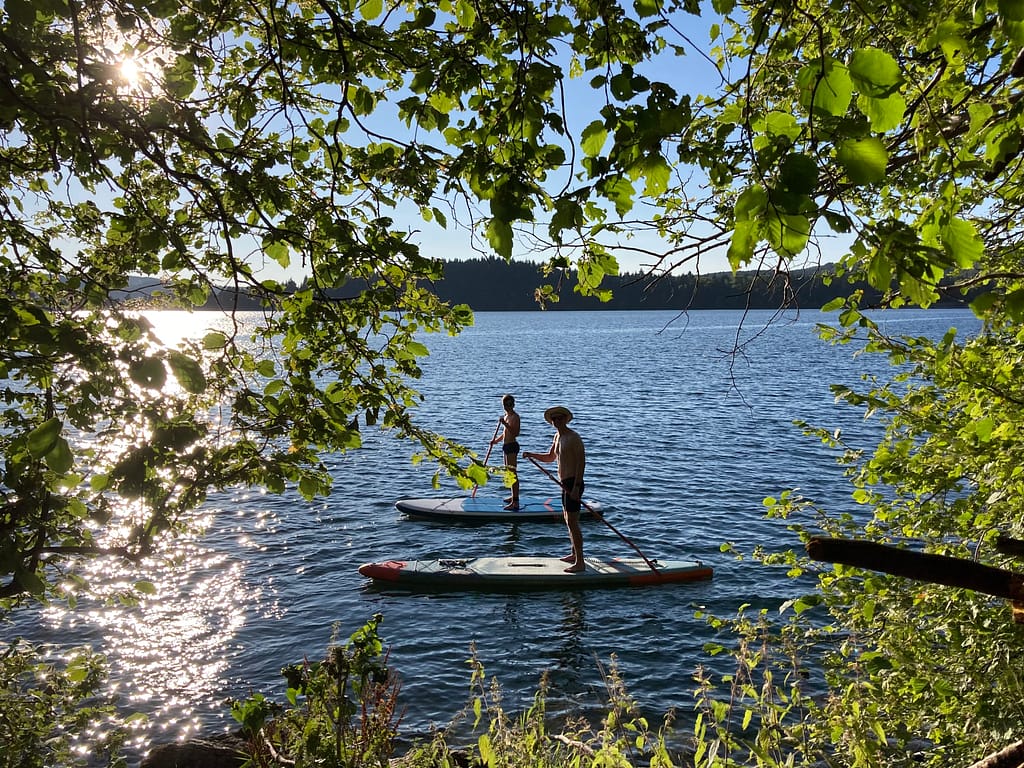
567,448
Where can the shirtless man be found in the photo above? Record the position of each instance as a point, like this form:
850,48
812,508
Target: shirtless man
567,448
510,446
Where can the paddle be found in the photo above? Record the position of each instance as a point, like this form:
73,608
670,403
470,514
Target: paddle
490,447
600,517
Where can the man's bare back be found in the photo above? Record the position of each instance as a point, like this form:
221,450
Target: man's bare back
572,460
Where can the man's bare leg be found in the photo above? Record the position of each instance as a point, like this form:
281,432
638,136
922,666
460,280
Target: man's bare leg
572,521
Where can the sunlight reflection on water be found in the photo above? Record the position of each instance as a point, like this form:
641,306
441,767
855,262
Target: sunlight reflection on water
173,327
173,645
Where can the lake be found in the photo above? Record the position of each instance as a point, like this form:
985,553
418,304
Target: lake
687,421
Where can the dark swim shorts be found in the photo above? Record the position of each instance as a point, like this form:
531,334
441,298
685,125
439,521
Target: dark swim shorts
569,504
511,448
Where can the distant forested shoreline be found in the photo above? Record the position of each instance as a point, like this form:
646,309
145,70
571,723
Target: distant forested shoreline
492,284
495,285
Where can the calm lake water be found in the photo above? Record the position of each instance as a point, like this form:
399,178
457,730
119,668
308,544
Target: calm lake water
684,436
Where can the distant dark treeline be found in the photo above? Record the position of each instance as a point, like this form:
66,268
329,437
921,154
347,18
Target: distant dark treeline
492,284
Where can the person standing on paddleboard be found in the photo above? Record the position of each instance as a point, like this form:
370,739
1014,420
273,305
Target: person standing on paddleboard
510,446
567,448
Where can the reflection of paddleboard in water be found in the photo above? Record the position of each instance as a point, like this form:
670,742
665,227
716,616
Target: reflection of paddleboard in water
544,508
511,573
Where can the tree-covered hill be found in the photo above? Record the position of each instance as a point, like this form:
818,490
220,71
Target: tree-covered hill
492,284
495,285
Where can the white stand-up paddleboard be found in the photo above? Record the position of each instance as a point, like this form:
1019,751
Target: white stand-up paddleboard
512,573
542,508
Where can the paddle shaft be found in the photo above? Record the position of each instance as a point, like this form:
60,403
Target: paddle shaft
600,517
487,456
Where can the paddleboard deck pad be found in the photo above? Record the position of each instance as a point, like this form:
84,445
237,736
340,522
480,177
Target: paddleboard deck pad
542,508
514,573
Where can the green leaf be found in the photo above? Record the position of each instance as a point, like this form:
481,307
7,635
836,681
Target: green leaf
875,73
864,160
417,349
825,89
782,124
1014,31
645,8
799,174
983,428
621,86
148,372
607,262
180,80
279,252
77,670
744,239
619,190
568,215
884,114
188,372
499,235
787,233
879,729
145,587
1012,10
657,172
31,582
308,488
43,438
21,12
371,9
752,202
593,139
215,340
961,241
477,473
1014,305
465,13
483,745
879,272
59,458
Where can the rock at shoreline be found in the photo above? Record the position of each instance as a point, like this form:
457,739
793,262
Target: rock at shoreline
228,751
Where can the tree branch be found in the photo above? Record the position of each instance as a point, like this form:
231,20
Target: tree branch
1008,757
936,569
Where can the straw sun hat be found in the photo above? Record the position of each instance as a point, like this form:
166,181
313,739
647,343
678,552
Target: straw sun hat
556,410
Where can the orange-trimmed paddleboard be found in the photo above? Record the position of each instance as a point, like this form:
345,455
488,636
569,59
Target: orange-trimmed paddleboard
512,573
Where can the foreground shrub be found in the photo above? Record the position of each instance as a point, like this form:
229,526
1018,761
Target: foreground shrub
50,714
343,710
342,713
